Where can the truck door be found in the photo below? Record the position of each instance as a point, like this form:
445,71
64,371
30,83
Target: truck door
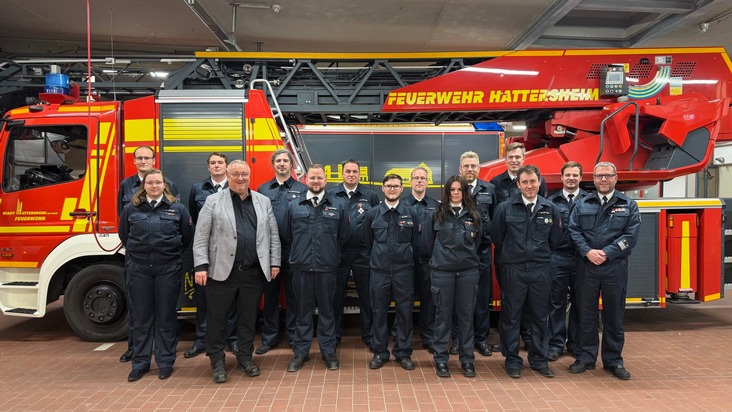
44,179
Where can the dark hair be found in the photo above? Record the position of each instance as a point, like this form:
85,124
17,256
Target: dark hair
281,151
351,161
444,209
529,169
392,176
572,164
140,196
208,159
144,147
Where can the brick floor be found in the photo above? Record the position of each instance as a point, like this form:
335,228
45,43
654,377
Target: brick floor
679,358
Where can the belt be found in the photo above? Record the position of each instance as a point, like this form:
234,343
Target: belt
242,267
569,253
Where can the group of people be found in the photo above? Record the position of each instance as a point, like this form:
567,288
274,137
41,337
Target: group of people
308,241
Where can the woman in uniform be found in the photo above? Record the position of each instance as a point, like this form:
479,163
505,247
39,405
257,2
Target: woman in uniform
155,230
452,235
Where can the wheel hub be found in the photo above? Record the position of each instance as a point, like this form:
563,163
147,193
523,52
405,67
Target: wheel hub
104,303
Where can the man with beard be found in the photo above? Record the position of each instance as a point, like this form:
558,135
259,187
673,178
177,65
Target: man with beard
604,229
484,195
316,228
280,191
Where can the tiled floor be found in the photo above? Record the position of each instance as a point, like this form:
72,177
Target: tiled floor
680,358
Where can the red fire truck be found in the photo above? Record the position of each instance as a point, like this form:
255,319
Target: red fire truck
63,161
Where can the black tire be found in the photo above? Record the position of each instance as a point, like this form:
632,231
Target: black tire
95,303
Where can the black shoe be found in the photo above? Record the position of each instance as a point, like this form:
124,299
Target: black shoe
136,374
218,372
496,347
264,349
484,349
441,370
545,371
580,367
296,363
406,363
513,372
429,347
453,350
331,361
376,363
126,357
164,373
468,370
249,368
618,371
234,348
553,355
193,352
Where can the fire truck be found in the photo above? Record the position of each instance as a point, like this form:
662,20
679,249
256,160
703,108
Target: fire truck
655,113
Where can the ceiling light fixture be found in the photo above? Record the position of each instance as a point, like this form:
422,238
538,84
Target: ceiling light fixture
703,27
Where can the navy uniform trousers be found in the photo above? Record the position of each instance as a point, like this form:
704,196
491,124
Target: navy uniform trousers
565,265
314,289
612,279
153,294
525,291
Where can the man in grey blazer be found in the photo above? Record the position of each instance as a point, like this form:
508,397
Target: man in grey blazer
236,249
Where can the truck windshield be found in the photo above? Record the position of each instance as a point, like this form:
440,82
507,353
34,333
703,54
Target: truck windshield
39,156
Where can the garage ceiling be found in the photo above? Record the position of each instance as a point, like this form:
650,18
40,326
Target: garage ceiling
180,27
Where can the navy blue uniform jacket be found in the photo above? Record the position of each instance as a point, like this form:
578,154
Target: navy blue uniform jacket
520,238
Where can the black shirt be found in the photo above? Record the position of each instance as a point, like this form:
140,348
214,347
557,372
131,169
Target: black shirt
246,230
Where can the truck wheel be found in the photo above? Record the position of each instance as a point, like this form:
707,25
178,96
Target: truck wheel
95,303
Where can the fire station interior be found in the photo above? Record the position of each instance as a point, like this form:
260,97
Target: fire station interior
678,354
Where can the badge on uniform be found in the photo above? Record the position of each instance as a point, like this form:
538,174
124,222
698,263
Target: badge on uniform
622,244
360,208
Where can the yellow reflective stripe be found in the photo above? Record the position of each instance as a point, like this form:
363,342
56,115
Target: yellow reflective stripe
138,130
201,149
713,296
85,109
34,229
203,128
69,206
18,264
685,281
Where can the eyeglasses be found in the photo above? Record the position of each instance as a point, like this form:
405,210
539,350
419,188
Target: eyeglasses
392,187
605,177
154,183
238,175
419,178
470,166
143,158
